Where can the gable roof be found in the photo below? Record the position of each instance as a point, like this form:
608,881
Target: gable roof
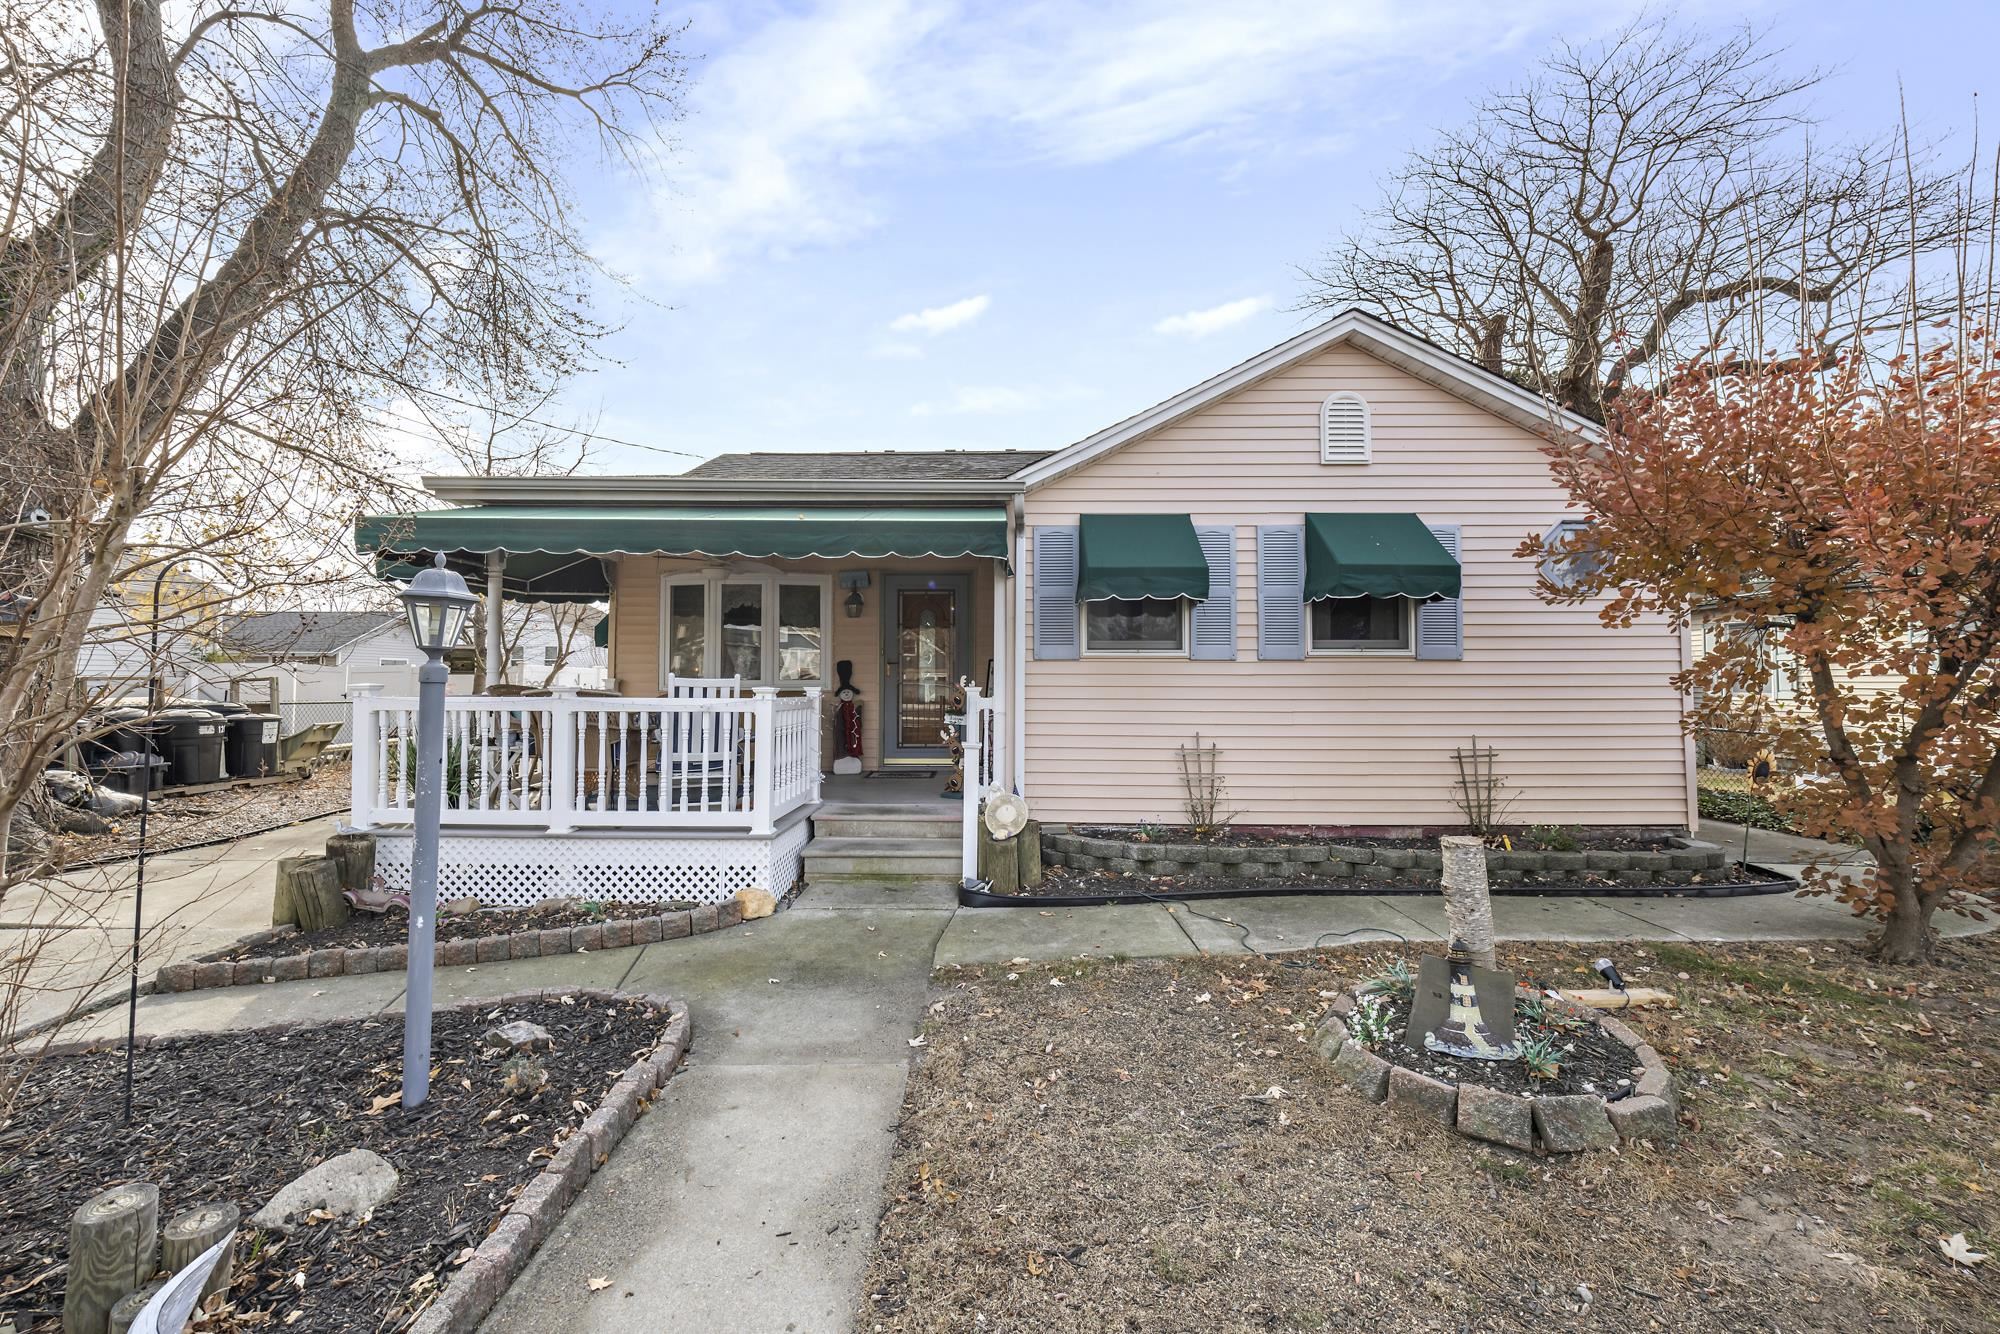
860,465
1376,336
301,634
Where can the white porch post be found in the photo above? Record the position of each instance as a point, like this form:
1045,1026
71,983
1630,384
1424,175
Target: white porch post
496,638
560,795
1003,676
813,743
764,754
364,732
1017,703
968,830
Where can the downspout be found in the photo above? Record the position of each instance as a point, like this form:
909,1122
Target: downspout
1017,705
496,639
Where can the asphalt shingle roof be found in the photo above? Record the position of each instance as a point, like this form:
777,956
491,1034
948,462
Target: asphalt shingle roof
942,465
301,633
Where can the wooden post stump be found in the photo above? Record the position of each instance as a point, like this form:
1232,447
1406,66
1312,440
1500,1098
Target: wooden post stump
309,894
129,1306
999,863
355,855
187,1235
1028,861
112,1241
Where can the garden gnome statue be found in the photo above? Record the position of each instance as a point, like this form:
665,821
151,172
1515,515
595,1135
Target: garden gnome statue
847,721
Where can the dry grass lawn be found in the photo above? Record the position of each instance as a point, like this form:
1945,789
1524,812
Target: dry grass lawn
1081,1150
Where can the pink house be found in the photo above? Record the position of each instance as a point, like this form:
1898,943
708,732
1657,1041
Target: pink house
1307,559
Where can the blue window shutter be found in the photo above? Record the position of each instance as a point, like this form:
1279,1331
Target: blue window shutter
1441,621
1281,591
1056,623
1212,624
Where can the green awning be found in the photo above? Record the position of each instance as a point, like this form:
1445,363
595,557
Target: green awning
553,551
600,634
1376,555
1139,556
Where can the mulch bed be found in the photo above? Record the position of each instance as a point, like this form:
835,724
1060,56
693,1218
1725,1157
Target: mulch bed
1106,1154
364,930
235,1116
213,817
1292,836
1592,1060
1069,882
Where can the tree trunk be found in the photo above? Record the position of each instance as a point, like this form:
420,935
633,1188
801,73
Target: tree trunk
183,1240
308,893
112,1241
1906,933
1468,907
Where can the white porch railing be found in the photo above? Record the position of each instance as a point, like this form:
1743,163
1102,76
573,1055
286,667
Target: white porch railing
558,763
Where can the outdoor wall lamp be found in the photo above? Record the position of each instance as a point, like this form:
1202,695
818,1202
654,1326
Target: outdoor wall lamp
853,581
437,603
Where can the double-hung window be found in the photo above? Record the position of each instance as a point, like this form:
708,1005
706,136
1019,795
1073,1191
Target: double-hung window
769,629
1135,625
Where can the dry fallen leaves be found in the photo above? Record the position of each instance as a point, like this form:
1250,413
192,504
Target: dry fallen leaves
599,1283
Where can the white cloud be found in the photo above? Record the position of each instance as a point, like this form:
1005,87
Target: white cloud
797,117
1201,323
938,319
977,401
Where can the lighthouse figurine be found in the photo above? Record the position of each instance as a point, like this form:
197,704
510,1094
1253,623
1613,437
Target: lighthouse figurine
1463,1010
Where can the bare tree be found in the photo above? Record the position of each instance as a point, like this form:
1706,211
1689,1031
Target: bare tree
1635,202
229,231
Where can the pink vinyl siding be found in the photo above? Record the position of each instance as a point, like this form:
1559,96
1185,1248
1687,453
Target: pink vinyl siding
1586,726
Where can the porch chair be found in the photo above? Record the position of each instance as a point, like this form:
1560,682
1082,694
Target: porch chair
704,752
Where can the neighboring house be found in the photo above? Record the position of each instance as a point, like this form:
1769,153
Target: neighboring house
1307,560
122,655
317,656
321,656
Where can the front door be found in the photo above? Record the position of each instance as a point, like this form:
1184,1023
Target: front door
926,647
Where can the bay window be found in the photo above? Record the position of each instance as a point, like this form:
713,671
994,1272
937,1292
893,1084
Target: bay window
769,629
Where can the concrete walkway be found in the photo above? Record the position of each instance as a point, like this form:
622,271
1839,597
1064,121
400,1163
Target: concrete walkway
68,940
746,1200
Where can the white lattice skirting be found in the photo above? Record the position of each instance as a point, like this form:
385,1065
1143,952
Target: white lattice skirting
505,869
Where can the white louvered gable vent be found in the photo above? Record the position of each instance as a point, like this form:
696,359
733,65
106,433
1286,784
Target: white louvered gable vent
1344,434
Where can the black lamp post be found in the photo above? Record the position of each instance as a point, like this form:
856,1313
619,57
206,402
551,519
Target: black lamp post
437,602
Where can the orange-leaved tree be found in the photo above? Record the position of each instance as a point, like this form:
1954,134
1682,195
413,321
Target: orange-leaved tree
1842,520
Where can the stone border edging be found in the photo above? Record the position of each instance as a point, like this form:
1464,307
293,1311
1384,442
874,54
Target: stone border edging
1560,1123
208,971
477,1285
1377,864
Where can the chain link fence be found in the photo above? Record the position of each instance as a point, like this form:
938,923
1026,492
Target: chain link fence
298,715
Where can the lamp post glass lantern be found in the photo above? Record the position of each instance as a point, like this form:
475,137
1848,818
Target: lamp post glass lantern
437,603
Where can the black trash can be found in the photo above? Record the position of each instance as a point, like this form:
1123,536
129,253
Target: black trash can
252,748
124,735
128,773
192,741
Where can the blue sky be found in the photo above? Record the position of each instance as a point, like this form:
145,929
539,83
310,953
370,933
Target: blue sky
905,224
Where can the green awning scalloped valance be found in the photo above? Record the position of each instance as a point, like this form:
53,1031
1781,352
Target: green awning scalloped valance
1139,556
1376,555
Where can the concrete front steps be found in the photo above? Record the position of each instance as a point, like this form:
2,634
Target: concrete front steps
892,845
